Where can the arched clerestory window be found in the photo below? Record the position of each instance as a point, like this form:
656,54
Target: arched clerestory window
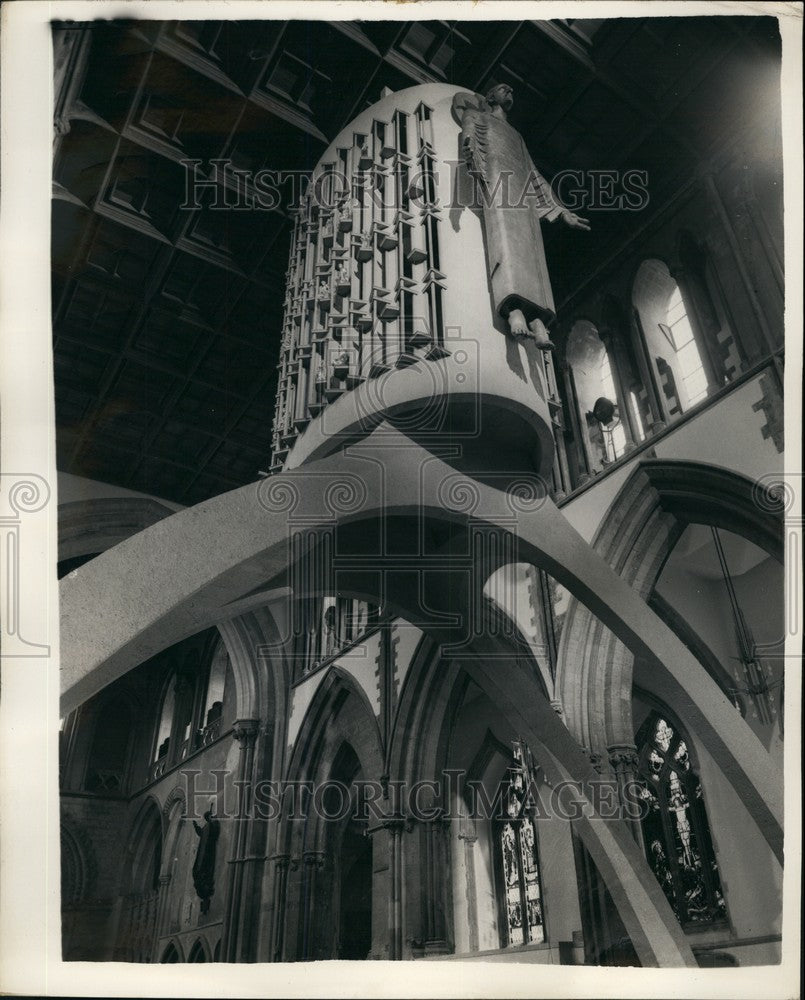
678,844
691,366
197,700
614,432
677,348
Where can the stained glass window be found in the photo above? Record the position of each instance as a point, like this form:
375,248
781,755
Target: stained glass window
675,828
523,916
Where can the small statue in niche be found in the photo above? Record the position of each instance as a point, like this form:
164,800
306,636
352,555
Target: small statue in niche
324,289
204,865
512,210
341,364
365,249
342,276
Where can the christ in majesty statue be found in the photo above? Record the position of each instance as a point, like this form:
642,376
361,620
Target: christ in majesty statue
515,198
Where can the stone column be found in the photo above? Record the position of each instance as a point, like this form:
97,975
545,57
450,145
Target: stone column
160,928
391,828
239,926
313,862
435,936
279,898
470,839
396,827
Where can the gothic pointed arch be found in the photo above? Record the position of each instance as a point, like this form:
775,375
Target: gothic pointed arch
636,537
79,868
339,742
172,952
200,951
141,864
330,696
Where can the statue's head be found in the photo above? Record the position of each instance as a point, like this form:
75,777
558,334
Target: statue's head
502,95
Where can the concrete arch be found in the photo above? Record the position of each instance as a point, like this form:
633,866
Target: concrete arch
646,519
131,602
442,397
87,527
128,603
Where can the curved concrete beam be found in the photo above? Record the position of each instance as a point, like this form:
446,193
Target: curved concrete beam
90,526
174,578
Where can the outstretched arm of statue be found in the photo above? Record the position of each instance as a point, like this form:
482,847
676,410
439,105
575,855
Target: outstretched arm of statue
549,206
197,828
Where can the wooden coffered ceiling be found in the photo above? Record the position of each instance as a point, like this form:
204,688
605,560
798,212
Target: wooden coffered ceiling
166,318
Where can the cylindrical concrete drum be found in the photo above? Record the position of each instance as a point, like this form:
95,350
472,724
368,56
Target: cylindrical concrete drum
389,320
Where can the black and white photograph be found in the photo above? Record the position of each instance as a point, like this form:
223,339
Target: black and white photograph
401,499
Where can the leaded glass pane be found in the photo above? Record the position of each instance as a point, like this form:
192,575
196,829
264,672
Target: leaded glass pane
511,881
681,757
663,734
528,853
676,834
519,857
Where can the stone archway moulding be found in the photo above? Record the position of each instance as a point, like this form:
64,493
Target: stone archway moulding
644,523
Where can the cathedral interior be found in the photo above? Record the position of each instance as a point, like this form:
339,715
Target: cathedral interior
387,634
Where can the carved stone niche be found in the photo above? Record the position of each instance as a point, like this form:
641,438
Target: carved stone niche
364,250
343,279
365,159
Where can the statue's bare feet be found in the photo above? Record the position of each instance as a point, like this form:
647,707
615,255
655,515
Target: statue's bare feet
517,324
541,338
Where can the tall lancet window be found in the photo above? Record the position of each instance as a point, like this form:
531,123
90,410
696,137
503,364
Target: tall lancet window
614,433
523,916
675,828
687,350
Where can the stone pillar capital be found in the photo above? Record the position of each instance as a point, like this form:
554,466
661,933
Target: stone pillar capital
245,732
623,756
